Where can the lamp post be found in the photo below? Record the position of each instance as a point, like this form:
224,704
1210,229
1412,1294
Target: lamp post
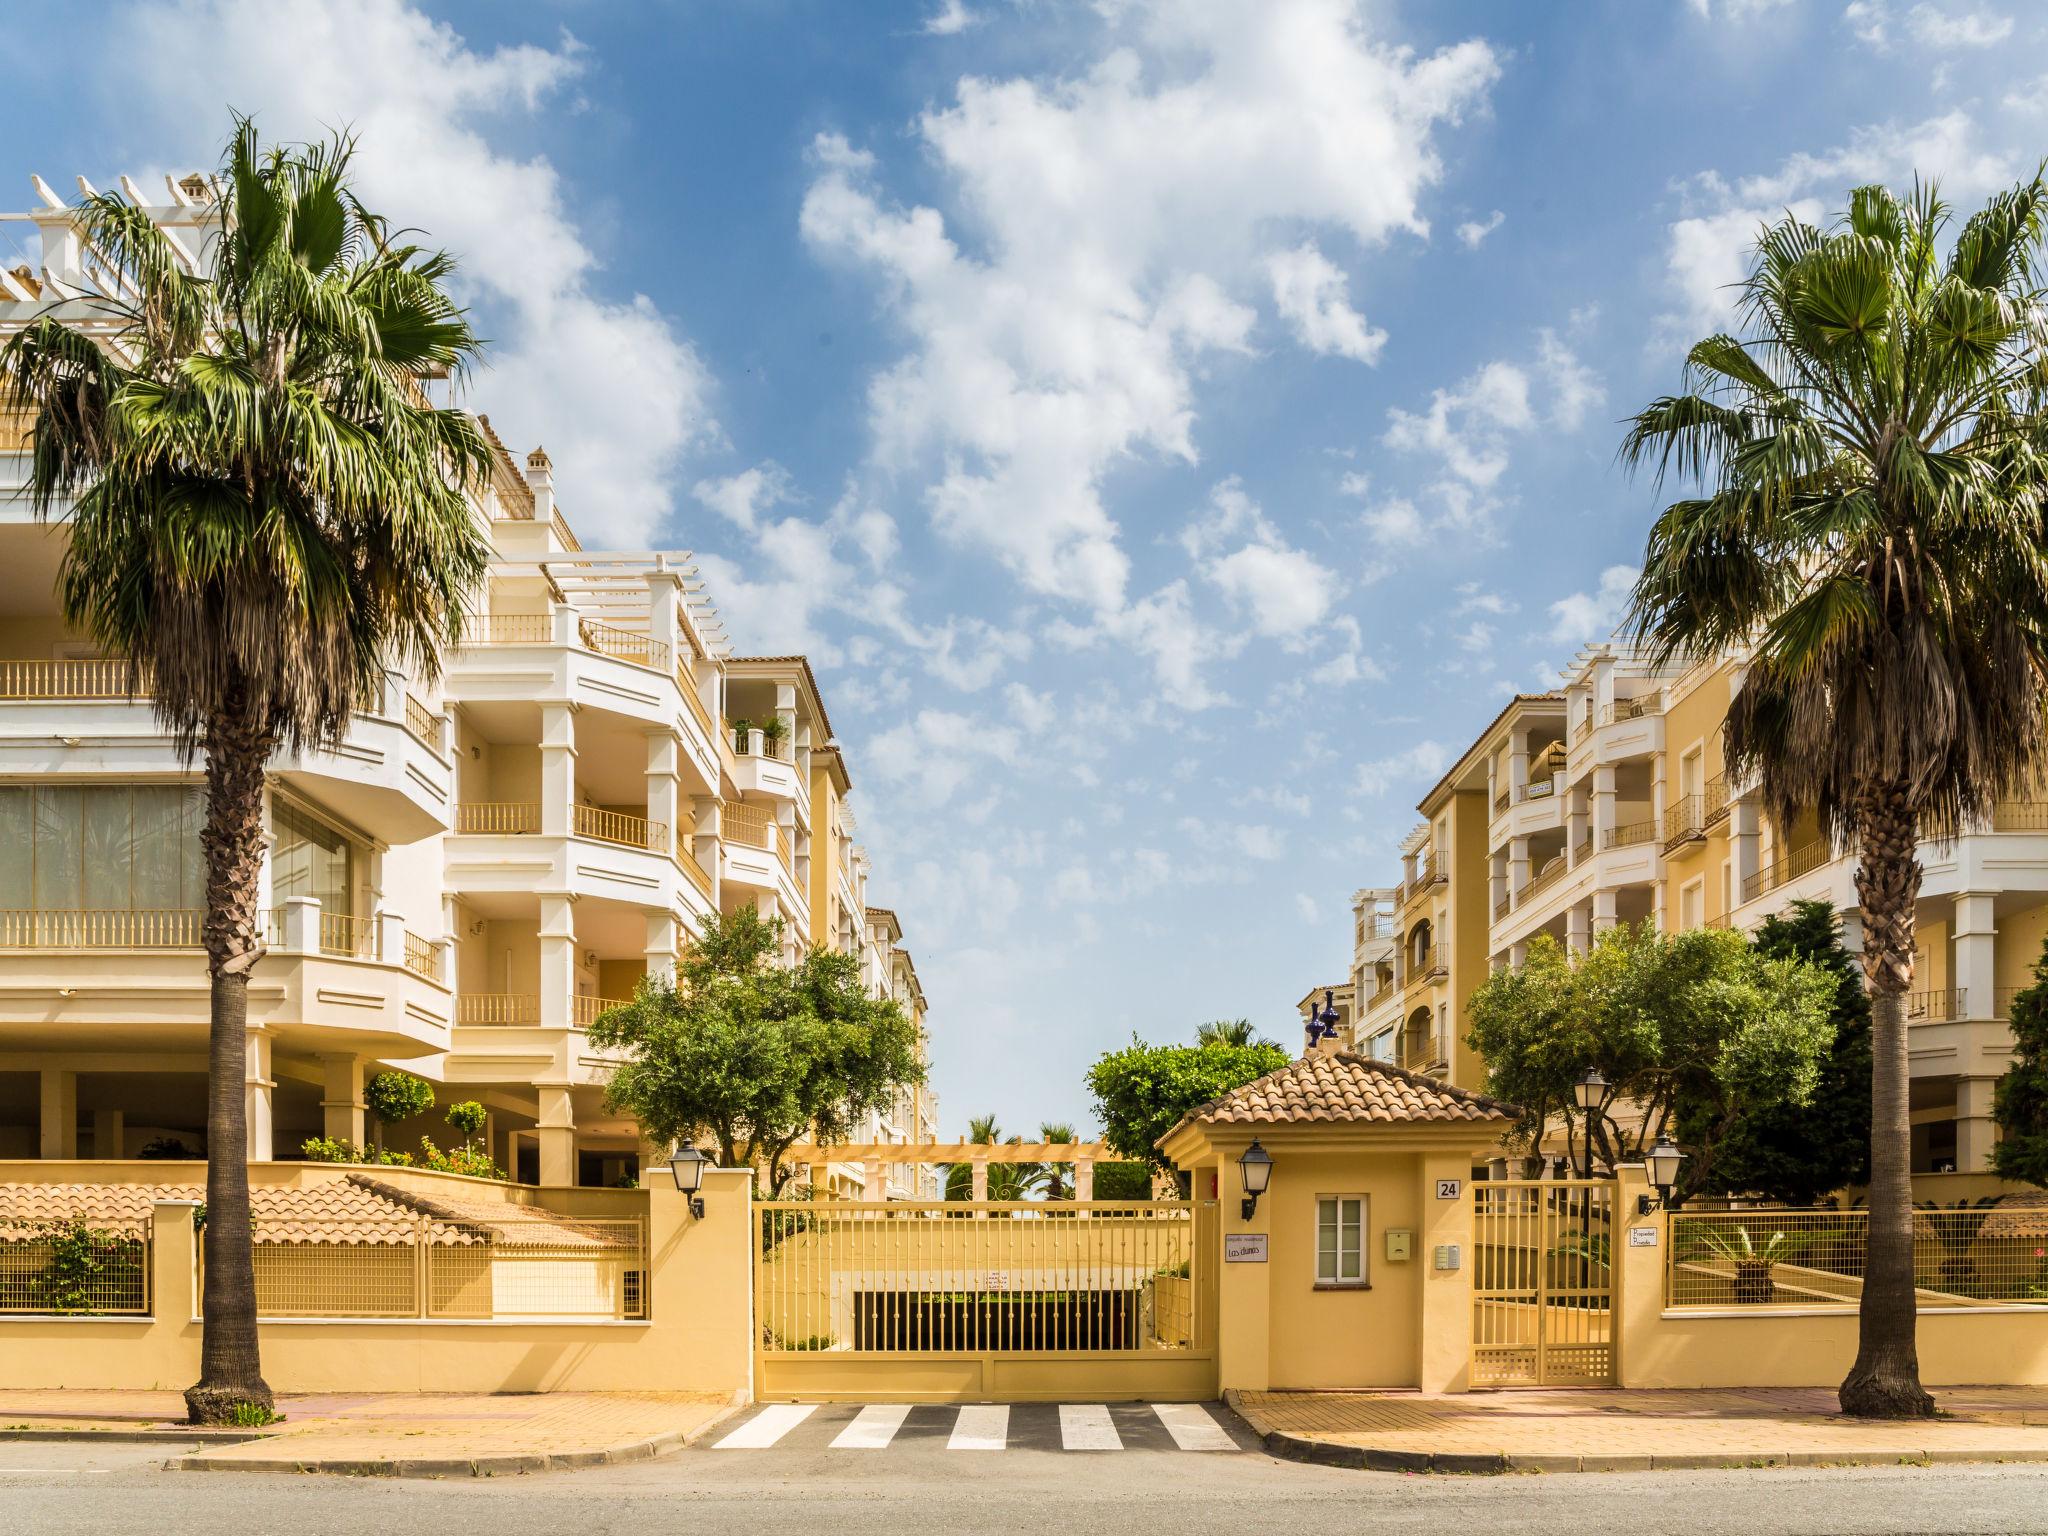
1591,1091
1254,1172
1664,1160
687,1165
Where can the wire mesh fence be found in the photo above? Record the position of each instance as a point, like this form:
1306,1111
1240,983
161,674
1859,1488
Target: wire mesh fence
1986,1255
989,1277
519,1264
74,1268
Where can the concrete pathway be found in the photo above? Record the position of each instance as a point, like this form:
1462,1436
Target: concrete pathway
425,1434
1601,1431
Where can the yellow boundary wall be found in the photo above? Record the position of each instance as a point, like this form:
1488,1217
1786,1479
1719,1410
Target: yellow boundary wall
697,1336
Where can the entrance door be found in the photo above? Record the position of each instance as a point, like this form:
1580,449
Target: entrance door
1542,1293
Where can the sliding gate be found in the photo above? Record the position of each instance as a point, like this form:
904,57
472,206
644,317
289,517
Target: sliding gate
1542,1284
985,1301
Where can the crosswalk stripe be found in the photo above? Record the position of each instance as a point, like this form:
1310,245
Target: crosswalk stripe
981,1427
1088,1427
872,1428
767,1427
1192,1428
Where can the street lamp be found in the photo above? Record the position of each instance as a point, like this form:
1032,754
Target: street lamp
1592,1093
1255,1172
688,1165
1664,1160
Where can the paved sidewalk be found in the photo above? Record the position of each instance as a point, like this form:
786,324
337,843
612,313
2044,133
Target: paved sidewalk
1613,1431
389,1434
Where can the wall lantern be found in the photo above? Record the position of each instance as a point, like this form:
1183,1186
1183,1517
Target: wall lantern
1255,1171
1664,1160
688,1165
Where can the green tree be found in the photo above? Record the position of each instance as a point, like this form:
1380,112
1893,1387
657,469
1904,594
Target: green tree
1052,1181
755,1054
1142,1091
1799,1153
1226,1032
1867,532
1697,1021
263,505
2020,1102
1006,1181
468,1117
394,1096
1123,1181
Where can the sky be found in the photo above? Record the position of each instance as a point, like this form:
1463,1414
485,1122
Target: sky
1172,428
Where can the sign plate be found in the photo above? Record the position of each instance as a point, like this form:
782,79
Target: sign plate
1449,1189
1642,1237
1244,1247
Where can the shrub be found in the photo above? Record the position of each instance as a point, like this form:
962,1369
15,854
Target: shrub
474,1162
327,1149
395,1096
467,1117
86,1263
166,1148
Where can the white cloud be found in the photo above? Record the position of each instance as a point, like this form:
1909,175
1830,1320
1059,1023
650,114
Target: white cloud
1572,387
950,19
1944,28
1314,298
1736,10
1592,615
741,498
1472,598
1288,800
1474,231
1115,217
1466,426
1306,909
1282,592
616,393
938,750
1419,764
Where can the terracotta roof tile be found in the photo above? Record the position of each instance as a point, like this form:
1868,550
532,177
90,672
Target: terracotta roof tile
1343,1088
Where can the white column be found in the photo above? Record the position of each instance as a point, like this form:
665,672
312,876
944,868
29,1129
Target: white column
663,943
58,1096
1976,940
1084,1179
557,1133
664,800
302,926
557,961
664,592
261,1088
109,1134
1975,1129
341,1105
1744,836
1518,763
1603,806
981,1178
1518,863
391,937
704,840
1578,926
557,768
1604,916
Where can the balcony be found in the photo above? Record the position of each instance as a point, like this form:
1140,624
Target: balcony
765,765
1939,1007
1432,964
627,831
501,846
1630,834
1552,872
389,774
1685,823
495,818
1419,1051
1718,803
99,929
1800,861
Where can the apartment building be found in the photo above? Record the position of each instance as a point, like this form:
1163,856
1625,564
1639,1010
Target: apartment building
1608,802
459,888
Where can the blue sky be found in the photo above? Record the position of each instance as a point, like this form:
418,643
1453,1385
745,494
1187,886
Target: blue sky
1170,426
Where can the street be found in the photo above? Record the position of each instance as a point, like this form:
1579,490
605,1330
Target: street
918,1486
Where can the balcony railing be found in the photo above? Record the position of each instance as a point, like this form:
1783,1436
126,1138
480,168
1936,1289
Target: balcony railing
2021,816
354,937
1500,908
1418,1051
422,722
497,1008
1546,877
1685,822
1539,789
584,1011
98,928
508,629
1500,801
1718,804
94,677
1583,849
1801,860
497,817
618,827
1631,709
748,824
777,747
623,644
422,957
1629,834
1429,965
698,875
1940,1007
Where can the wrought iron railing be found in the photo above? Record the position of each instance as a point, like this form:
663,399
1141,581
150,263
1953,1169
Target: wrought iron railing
1800,861
1630,834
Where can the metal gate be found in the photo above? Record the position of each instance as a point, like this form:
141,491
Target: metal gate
1543,1282
977,1301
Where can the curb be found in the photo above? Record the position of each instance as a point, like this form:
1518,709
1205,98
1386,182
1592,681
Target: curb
1327,1453
172,1437
508,1465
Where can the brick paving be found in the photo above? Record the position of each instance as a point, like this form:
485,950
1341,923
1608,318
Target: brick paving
444,1433
1592,1430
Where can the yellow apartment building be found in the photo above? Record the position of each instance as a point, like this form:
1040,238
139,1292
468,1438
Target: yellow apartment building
1608,802
487,862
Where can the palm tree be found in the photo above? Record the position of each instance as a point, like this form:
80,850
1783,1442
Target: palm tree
1869,528
1226,1032
1052,1181
263,505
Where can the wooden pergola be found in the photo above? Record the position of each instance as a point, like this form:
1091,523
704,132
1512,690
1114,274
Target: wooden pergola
978,1155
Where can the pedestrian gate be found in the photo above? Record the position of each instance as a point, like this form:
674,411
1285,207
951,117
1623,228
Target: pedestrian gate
1542,1282
978,1301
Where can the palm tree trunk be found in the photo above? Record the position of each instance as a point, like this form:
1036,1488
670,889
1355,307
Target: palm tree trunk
1884,1383
230,1370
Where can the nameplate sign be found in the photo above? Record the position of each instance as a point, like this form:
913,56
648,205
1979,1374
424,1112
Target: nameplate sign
1244,1248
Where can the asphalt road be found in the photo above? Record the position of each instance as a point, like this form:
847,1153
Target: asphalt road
918,1489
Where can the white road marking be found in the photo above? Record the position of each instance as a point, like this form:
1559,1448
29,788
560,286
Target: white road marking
1088,1427
767,1427
981,1427
1192,1428
872,1428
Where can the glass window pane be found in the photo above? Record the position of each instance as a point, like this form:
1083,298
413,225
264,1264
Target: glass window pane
105,825
17,834
57,839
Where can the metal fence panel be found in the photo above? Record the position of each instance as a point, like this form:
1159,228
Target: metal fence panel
72,1269
1542,1282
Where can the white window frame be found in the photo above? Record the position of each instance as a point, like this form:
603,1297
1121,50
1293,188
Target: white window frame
1335,1278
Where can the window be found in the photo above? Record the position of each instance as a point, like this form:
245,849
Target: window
1340,1240
102,847
311,859
1692,903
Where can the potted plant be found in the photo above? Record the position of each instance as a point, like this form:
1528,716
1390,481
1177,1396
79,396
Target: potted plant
774,731
741,729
